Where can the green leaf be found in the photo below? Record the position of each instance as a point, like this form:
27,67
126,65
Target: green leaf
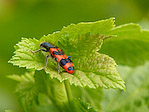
53,89
42,81
23,56
92,96
72,31
26,90
44,104
57,94
130,47
136,98
81,41
80,106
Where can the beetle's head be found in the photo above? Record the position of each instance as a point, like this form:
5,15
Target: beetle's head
46,45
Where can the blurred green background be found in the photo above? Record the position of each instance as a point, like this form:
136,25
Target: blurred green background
35,18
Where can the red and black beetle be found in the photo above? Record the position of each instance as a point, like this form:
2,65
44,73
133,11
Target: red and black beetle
56,53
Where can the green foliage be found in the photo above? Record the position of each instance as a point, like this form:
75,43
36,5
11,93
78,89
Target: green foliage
130,47
44,104
92,69
26,90
24,58
92,96
81,106
136,98
53,89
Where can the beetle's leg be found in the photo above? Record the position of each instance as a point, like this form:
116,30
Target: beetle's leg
46,61
69,57
38,50
58,65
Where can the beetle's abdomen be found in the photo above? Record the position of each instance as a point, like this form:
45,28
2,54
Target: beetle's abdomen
67,65
62,59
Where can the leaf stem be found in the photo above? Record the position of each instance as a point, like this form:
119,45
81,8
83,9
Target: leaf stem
68,91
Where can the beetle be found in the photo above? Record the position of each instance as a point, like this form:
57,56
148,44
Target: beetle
64,61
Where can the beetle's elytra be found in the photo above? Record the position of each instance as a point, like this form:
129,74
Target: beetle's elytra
56,53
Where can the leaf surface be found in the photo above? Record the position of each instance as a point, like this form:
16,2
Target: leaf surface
26,90
136,98
130,47
80,106
81,41
92,96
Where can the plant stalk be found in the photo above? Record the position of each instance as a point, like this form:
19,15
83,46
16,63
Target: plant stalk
68,91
